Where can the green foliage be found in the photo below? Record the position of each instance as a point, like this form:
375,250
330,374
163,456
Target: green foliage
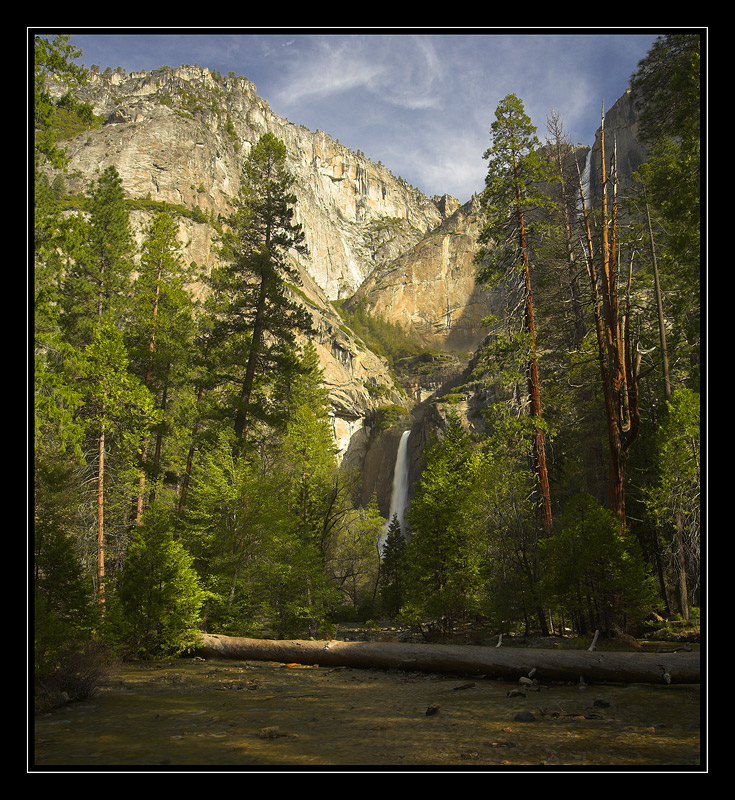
268,537
113,399
667,89
101,247
444,556
64,615
388,339
517,174
386,416
230,513
595,570
254,317
261,527
159,596
68,663
392,570
673,501
55,120
353,558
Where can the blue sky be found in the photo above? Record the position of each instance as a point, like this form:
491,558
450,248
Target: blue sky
421,101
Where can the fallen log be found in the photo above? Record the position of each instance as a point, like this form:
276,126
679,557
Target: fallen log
507,663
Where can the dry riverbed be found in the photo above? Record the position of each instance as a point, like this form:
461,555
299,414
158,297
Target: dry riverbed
267,716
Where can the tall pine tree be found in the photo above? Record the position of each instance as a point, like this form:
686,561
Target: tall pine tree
511,201
256,312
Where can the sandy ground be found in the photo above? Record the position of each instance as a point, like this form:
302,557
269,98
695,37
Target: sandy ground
263,716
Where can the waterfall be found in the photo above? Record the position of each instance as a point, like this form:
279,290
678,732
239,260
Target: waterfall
585,180
399,493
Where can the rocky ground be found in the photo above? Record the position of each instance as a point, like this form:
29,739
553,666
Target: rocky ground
263,716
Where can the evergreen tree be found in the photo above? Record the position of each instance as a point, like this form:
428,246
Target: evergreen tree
98,278
64,615
392,568
444,557
160,334
158,602
595,570
308,466
230,525
667,91
511,202
257,318
55,58
55,362
507,523
674,499
118,411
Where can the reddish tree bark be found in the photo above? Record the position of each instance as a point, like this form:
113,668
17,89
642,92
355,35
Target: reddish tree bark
618,369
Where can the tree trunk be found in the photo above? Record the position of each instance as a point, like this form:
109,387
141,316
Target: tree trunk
101,518
148,378
242,417
534,391
186,480
493,662
660,312
618,373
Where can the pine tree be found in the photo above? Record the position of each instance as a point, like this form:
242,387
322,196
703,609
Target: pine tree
54,57
444,556
511,199
160,597
595,572
667,91
392,570
98,277
118,411
257,315
674,500
309,471
161,332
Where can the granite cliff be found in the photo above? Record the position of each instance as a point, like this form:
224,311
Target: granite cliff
181,135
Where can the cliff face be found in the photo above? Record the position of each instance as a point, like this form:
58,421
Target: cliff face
431,289
181,136
621,137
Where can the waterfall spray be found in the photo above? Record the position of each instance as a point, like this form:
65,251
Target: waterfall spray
399,493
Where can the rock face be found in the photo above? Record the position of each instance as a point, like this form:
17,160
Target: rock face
621,136
431,289
181,136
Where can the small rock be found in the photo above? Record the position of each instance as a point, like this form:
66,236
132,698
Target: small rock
524,716
272,732
432,710
515,693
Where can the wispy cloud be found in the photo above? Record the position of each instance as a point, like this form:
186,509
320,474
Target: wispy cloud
400,70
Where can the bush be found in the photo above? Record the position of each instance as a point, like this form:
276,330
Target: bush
74,674
594,570
156,610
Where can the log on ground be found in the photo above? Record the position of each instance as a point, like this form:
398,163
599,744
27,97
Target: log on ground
505,663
